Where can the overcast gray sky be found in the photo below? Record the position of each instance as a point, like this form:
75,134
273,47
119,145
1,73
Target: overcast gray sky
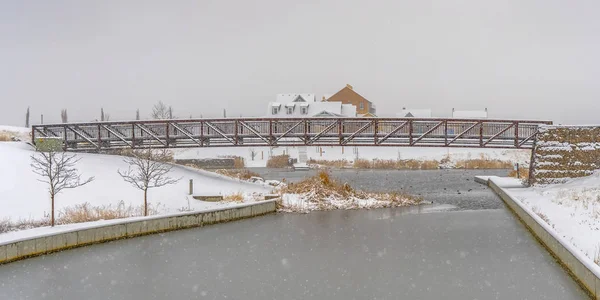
537,59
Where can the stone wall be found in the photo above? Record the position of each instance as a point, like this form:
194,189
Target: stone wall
120,229
208,163
564,152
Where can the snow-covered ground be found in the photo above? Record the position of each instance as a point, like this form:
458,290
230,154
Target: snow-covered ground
571,208
351,153
22,196
305,203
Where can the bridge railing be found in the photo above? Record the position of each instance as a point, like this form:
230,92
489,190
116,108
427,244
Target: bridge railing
397,132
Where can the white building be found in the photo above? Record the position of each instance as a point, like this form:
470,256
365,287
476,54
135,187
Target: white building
469,114
305,105
414,113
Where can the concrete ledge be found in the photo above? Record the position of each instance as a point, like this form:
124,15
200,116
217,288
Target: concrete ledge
120,229
580,267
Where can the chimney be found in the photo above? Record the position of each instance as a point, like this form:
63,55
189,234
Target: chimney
349,86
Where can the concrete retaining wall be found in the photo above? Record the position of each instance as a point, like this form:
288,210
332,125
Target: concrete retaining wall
566,255
19,249
563,152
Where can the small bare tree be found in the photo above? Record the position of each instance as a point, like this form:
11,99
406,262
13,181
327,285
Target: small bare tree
160,111
148,169
137,114
253,153
57,169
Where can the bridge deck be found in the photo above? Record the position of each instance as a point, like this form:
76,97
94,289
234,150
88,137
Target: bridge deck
240,132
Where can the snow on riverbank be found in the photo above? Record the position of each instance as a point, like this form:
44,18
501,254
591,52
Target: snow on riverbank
23,197
304,203
22,133
351,153
571,208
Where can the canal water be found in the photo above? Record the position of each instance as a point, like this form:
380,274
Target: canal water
465,246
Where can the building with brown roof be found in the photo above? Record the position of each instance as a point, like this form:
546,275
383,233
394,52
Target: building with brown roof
347,95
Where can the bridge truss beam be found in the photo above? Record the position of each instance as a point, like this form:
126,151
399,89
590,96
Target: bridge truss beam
256,132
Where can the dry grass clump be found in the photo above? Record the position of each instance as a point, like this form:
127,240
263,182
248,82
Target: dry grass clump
597,256
6,225
238,161
523,173
406,164
243,174
81,213
322,186
278,161
4,137
235,197
483,163
86,212
340,163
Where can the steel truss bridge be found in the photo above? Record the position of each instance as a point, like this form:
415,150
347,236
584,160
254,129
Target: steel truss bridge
255,132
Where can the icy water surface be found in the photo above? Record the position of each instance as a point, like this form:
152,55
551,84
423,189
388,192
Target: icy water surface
424,252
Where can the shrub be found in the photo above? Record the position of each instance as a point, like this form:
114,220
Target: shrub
87,213
243,174
278,161
238,162
49,144
340,163
4,137
235,197
523,173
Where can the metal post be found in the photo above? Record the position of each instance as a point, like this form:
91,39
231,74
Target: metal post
167,133
516,134
481,134
99,139
410,132
235,128
446,132
191,186
375,131
65,137
132,135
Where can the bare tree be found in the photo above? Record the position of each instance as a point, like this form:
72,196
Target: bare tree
57,169
63,116
137,114
27,118
148,169
253,153
170,112
160,111
102,114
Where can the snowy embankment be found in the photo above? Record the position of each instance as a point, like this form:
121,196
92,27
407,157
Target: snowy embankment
15,133
572,209
333,153
23,197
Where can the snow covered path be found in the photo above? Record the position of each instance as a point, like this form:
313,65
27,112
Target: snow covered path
572,209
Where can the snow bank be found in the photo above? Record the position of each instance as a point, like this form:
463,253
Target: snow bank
304,203
13,131
571,208
24,197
